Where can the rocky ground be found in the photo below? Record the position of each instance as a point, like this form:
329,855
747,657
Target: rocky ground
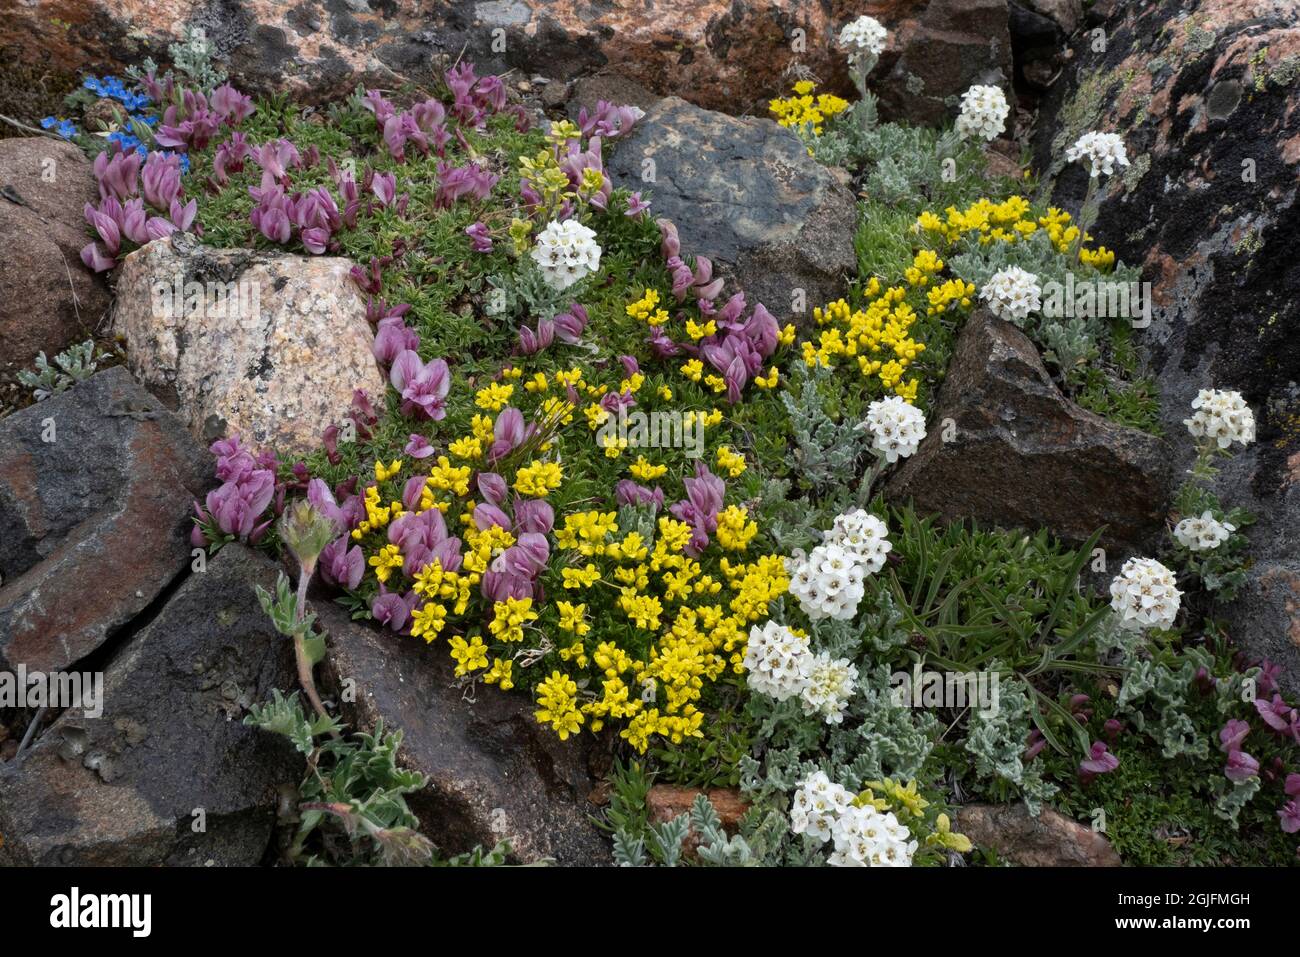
97,570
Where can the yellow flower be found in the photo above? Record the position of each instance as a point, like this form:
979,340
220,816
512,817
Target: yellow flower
538,478
581,577
693,370
644,470
557,700
493,396
384,472
388,558
732,462
509,618
428,620
571,618
469,655
500,674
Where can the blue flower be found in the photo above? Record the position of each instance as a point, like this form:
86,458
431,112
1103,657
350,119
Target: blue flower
48,122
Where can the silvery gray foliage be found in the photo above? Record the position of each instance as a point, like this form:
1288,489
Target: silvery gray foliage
192,56
826,450
1154,687
71,366
524,294
1232,796
996,741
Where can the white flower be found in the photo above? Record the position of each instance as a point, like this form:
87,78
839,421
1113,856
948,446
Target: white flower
1012,294
1101,151
1223,416
864,35
566,252
818,802
897,427
984,111
1145,594
863,535
865,837
777,661
1203,534
828,583
829,687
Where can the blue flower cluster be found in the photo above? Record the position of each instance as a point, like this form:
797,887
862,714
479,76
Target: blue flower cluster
113,88
65,128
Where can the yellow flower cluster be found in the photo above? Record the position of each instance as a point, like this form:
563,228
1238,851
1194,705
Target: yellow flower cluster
804,110
1008,222
647,310
876,337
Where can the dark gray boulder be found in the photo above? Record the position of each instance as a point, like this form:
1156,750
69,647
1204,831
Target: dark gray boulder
123,788
1006,447
494,772
97,486
745,193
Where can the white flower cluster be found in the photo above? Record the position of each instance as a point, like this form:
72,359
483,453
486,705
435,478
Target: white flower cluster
864,35
1012,294
1223,416
779,664
777,661
862,836
1145,594
897,427
830,686
1101,152
566,252
984,111
829,581
1203,534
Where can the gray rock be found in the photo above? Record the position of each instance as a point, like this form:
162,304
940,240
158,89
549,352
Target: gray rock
274,352
494,772
942,50
94,525
1005,447
122,789
745,193
48,299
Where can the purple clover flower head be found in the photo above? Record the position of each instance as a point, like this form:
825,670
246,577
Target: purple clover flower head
704,496
376,104
384,186
393,338
608,120
1112,728
160,179
569,326
418,447
231,105
487,515
636,206
342,566
1290,815
670,245
322,499
493,488
508,432
1292,785
533,516
1241,766
237,505
627,492
118,175
1034,745
1099,761
480,238
276,158
1276,713
392,609
531,343
424,386
1232,734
